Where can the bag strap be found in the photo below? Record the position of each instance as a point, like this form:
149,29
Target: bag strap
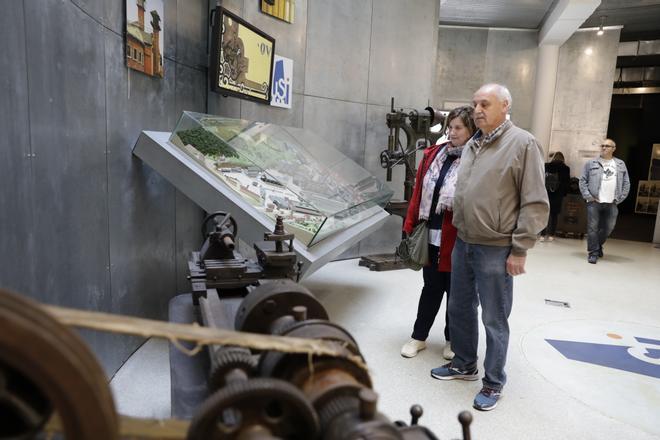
441,178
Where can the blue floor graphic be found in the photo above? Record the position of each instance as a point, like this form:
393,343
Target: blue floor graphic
612,356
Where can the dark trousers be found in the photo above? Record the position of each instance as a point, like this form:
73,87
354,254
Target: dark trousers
601,219
555,210
435,285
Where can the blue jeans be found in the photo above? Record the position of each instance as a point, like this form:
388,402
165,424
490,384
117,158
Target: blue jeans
479,276
601,219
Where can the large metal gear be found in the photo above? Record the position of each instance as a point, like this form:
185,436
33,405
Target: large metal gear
294,367
262,408
44,368
273,301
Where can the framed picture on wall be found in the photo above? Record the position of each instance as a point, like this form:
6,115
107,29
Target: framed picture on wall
283,9
145,36
241,58
654,166
648,196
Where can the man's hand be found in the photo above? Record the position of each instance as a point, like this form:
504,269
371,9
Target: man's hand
515,265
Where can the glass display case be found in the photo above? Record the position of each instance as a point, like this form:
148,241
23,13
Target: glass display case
283,171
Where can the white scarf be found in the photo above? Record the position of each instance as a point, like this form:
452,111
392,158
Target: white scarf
446,196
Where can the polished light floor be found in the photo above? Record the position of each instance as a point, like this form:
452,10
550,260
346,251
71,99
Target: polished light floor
590,370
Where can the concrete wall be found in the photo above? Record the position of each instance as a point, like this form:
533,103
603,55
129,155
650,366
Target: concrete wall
349,59
470,57
83,223
583,95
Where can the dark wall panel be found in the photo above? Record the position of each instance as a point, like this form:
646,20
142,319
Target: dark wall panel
190,95
141,202
95,8
191,33
84,223
67,126
16,239
114,12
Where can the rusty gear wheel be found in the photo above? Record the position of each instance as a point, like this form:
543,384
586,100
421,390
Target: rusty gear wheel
293,367
227,359
269,406
46,367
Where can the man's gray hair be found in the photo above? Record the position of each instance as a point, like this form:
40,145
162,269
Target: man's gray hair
502,92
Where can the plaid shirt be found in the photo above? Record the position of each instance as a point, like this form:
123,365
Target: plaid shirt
487,139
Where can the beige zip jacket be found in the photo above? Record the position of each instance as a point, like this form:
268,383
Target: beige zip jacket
500,197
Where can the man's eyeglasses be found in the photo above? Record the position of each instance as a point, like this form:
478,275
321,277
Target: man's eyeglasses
607,146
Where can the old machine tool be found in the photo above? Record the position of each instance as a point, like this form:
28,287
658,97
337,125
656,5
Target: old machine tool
219,266
272,392
276,366
416,125
417,128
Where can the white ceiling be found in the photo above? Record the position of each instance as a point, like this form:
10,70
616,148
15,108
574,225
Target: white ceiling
634,15
526,14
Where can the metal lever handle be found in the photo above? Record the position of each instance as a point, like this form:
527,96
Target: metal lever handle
465,418
416,412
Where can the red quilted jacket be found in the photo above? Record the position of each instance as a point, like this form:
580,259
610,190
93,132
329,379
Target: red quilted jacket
449,232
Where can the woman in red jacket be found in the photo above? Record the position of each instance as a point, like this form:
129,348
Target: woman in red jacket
432,201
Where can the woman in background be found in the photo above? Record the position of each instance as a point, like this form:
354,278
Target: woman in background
557,181
432,201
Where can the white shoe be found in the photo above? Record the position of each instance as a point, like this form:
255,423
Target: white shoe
412,347
447,353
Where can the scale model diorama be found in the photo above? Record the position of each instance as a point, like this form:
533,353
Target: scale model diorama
283,171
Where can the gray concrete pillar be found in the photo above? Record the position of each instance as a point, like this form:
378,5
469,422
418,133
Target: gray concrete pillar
544,93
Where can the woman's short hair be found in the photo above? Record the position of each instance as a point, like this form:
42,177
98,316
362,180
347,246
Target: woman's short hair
465,114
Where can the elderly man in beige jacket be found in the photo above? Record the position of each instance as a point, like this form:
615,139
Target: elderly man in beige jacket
500,205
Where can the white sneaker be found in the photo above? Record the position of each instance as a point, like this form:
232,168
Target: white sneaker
412,347
447,353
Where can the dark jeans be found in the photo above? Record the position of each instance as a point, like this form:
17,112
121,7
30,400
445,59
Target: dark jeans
479,276
435,285
601,219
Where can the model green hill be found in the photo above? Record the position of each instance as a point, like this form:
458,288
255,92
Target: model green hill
206,143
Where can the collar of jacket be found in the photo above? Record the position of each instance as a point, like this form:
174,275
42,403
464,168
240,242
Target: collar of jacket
481,140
